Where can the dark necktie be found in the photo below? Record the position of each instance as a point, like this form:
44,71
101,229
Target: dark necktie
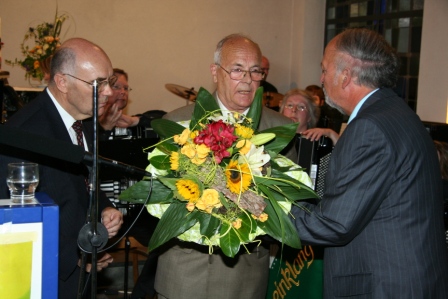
77,126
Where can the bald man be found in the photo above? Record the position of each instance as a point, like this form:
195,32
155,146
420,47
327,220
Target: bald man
265,66
67,99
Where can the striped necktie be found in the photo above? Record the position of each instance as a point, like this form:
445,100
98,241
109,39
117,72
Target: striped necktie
77,126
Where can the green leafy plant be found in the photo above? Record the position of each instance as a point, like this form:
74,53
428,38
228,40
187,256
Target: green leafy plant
45,39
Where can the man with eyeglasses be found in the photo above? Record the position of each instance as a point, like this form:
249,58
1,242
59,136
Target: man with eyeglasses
58,113
185,269
114,123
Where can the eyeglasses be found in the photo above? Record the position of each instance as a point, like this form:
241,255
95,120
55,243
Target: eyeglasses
239,74
119,87
101,84
297,107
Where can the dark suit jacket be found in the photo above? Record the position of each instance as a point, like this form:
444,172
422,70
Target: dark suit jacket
381,212
62,181
187,271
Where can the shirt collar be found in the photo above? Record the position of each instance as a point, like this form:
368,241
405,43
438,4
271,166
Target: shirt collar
66,117
224,109
359,105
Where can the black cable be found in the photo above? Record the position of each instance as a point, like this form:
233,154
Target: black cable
124,234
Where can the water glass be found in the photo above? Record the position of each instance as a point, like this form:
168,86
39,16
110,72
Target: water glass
22,181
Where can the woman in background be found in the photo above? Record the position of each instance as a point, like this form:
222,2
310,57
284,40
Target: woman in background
300,106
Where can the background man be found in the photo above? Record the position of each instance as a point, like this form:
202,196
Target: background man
381,214
267,87
67,99
186,270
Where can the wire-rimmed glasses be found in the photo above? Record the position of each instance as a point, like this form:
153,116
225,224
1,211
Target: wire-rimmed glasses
298,107
239,74
101,84
120,87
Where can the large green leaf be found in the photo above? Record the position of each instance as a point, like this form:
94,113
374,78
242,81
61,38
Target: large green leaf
208,224
167,146
161,162
205,103
278,225
138,192
166,128
248,226
283,136
254,112
175,221
229,242
283,186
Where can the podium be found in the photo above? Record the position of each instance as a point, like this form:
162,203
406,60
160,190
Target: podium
29,249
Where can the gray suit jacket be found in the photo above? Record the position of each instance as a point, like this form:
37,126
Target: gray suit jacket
381,214
187,271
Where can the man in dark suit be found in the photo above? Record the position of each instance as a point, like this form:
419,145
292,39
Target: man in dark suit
381,215
67,99
187,270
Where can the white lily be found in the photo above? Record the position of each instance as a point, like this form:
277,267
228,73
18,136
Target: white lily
255,158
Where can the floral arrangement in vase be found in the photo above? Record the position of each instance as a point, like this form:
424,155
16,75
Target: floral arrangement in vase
45,39
220,183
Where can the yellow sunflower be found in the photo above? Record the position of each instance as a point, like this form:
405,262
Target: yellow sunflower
188,190
238,177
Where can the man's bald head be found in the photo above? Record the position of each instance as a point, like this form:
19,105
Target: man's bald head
76,52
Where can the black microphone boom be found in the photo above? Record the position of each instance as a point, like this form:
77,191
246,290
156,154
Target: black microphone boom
57,149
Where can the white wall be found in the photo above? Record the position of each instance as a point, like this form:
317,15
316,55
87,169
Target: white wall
159,42
172,41
432,98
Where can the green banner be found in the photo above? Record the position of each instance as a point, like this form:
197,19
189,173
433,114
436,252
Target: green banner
296,274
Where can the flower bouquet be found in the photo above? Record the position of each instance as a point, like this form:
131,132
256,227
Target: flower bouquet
46,40
219,182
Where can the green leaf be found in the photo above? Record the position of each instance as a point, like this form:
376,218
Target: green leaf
161,162
209,224
175,221
166,128
248,225
138,192
205,103
169,182
254,112
229,242
278,225
167,146
283,136
288,187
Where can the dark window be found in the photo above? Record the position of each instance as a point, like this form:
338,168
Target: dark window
399,21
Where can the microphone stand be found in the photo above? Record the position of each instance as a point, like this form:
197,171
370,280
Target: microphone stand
93,235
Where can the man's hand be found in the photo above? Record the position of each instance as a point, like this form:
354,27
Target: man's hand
126,121
112,220
108,120
104,260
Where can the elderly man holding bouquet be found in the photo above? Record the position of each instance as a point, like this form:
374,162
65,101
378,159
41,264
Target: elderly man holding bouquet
186,269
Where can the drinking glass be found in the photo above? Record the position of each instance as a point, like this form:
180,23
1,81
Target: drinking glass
22,181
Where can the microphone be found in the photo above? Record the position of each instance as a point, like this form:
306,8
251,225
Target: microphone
16,138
